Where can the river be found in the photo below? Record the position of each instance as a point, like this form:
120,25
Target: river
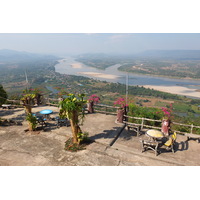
112,74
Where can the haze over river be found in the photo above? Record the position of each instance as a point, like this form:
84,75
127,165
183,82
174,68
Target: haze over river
111,74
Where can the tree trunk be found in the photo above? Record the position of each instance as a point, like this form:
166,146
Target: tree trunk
27,109
75,127
30,126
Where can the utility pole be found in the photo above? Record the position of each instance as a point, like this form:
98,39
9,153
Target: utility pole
26,80
127,88
126,107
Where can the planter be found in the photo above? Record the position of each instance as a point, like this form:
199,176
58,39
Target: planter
120,115
165,127
90,107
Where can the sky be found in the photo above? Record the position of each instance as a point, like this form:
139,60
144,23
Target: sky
111,43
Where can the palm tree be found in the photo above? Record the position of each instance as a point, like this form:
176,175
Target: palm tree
72,108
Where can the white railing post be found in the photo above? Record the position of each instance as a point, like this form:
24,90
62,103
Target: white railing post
191,128
142,123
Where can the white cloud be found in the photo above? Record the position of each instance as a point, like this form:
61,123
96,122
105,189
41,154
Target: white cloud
90,33
119,37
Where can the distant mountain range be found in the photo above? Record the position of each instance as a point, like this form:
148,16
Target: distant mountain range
149,54
11,56
171,54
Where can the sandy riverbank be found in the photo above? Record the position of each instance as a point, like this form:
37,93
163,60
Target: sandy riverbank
76,65
99,75
180,90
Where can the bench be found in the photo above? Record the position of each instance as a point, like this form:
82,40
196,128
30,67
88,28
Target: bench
137,128
6,106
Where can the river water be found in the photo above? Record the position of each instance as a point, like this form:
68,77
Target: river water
65,67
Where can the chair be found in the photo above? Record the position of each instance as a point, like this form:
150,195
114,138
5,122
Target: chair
169,144
61,122
40,120
149,144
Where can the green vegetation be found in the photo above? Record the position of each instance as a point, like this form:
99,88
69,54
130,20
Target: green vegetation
168,68
32,121
144,112
3,95
100,61
176,64
73,147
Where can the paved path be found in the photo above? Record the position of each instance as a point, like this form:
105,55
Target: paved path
46,148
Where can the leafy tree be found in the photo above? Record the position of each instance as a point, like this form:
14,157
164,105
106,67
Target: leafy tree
3,95
72,108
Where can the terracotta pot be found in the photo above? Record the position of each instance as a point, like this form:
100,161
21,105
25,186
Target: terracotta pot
165,127
90,107
120,115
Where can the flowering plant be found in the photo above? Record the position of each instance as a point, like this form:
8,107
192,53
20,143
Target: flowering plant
121,102
94,98
167,112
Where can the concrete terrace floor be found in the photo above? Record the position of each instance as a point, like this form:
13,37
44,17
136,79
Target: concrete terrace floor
46,147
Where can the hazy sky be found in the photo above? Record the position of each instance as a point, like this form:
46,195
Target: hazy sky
76,43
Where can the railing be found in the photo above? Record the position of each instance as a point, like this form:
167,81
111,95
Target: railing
102,108
105,109
189,129
14,103
142,124
51,102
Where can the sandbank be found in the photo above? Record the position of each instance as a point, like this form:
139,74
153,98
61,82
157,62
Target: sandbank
76,65
99,75
180,90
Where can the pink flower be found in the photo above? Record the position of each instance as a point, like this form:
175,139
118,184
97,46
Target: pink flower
121,102
94,98
167,112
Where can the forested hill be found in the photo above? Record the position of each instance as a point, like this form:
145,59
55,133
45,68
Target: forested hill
167,63
11,56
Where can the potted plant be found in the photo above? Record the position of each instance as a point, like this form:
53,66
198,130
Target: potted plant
121,111
93,99
166,121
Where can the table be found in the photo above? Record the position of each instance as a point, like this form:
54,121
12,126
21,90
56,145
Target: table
46,113
154,134
155,141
